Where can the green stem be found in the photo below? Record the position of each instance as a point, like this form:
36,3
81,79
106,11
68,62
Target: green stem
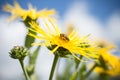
78,62
75,74
34,56
53,66
32,63
24,70
89,72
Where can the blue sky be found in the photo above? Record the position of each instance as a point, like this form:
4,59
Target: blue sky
102,9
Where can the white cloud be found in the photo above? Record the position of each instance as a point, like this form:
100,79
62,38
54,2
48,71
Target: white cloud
78,15
113,27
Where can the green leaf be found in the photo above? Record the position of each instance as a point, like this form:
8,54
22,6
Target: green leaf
33,56
74,76
82,71
32,61
29,39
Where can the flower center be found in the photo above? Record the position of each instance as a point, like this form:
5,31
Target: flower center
64,37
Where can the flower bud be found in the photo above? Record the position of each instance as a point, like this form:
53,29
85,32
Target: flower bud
18,52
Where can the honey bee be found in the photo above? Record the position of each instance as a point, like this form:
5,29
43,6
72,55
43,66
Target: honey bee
64,37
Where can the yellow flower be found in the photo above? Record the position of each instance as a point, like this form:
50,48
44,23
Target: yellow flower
113,65
112,62
52,36
17,12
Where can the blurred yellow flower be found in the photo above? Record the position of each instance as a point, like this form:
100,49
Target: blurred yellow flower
17,12
112,62
72,42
